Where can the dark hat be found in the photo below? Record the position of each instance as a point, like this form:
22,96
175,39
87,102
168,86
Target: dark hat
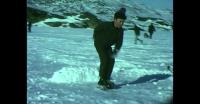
123,10
120,14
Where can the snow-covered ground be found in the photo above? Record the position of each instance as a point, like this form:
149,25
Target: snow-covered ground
62,68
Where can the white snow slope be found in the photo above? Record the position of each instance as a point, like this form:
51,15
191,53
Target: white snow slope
62,68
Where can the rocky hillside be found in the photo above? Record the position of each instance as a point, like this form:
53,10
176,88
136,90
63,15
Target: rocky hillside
88,13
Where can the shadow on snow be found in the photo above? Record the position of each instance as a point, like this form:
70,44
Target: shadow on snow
146,78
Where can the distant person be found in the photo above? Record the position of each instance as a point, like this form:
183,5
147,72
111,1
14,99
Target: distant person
151,29
29,26
137,34
105,35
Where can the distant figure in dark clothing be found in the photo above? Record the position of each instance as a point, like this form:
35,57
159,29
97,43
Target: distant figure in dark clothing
151,29
105,35
137,34
29,26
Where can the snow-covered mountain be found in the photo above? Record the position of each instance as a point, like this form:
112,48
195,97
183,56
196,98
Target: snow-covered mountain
141,12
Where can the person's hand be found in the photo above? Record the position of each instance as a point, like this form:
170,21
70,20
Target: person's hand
114,54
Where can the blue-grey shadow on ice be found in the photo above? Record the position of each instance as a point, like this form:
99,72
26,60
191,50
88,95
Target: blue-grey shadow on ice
144,79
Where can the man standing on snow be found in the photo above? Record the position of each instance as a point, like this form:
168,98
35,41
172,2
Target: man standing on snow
151,29
29,26
105,35
137,34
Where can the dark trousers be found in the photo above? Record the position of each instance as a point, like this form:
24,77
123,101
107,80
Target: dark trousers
106,61
150,34
29,26
29,29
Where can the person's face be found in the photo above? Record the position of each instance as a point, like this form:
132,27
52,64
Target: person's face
118,23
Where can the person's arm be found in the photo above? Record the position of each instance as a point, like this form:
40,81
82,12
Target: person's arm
141,29
119,43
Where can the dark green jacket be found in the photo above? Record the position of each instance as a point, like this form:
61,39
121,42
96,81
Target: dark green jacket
106,35
151,28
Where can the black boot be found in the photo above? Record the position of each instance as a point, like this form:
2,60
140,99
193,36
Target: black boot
102,82
109,84
106,84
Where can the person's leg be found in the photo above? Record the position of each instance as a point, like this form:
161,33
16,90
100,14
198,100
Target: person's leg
29,29
141,41
111,62
103,56
136,39
150,34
